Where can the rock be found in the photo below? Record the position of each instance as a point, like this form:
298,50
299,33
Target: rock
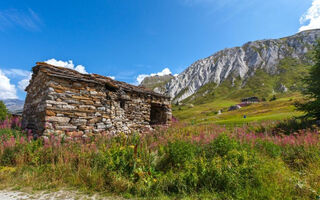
68,107
240,62
78,114
236,107
50,113
55,102
78,122
87,107
101,108
67,128
101,126
58,119
283,88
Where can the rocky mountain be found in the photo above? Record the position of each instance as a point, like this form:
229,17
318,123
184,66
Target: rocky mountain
156,83
15,106
243,63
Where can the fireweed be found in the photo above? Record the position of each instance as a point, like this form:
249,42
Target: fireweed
182,160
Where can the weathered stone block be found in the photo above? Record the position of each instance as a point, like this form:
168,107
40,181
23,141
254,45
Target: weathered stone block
50,113
93,92
101,108
80,97
87,102
58,119
71,101
87,107
78,122
94,120
68,107
55,102
77,85
78,114
101,126
67,128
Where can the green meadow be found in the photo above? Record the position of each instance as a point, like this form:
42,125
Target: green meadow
279,109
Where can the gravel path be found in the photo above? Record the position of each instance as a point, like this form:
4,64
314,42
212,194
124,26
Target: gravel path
62,194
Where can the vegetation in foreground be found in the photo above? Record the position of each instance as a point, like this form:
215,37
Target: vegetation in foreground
3,111
187,162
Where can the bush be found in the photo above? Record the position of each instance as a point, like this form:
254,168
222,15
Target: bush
3,111
273,98
180,162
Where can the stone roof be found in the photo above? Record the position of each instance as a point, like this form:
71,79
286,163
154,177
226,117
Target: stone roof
73,75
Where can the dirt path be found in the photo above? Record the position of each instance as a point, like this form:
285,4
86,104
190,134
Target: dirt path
62,194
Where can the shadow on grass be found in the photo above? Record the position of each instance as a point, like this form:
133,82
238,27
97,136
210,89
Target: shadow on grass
290,126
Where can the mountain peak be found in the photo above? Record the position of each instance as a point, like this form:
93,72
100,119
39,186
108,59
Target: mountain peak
241,62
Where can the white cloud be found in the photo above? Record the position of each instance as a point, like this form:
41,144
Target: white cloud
112,77
7,90
26,75
15,72
24,82
311,18
165,71
26,19
68,64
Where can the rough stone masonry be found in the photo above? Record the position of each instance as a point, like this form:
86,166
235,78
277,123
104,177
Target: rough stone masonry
65,102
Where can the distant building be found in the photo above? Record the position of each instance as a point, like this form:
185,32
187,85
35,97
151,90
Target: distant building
236,107
250,100
63,101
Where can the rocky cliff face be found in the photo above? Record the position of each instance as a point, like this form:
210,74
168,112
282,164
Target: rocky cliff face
156,83
241,62
15,106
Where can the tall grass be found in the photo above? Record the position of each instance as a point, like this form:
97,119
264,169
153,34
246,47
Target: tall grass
198,161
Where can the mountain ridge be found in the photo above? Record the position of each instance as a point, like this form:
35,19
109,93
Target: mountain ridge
14,106
241,62
156,83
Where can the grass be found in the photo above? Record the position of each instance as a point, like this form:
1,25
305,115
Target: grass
203,106
181,162
281,108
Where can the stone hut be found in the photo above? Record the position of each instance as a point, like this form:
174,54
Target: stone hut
250,100
64,101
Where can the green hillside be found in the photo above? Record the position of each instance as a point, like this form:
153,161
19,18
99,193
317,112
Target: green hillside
290,73
285,85
282,108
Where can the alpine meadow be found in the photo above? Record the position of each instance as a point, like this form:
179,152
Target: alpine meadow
171,99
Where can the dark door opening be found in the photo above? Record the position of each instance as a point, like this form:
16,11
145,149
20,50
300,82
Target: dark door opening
158,114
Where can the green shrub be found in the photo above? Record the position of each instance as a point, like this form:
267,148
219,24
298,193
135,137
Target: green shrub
172,163
177,153
3,111
269,148
221,146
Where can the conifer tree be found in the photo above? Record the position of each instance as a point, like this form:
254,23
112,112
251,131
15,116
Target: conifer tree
312,90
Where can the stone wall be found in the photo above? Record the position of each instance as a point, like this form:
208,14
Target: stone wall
56,105
34,109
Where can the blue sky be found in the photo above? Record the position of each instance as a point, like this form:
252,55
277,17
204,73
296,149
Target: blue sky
127,38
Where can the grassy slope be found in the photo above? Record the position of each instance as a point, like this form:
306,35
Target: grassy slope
207,113
203,106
